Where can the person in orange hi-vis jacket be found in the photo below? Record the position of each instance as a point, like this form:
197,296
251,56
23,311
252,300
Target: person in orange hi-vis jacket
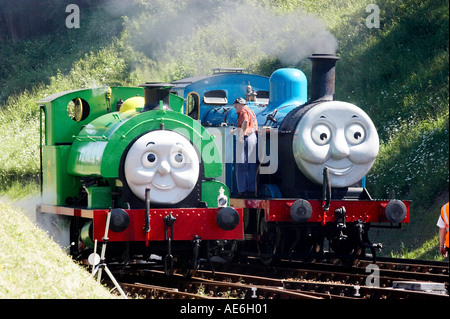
443,230
443,235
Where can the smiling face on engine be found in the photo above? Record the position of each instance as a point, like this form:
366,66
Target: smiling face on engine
166,162
339,136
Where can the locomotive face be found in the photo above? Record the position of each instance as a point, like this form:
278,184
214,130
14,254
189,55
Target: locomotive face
339,136
166,162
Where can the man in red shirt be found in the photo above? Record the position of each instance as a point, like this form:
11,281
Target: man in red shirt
246,149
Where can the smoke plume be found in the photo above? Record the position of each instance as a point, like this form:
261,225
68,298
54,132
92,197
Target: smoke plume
212,33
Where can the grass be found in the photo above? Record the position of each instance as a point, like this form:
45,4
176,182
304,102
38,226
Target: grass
34,266
414,161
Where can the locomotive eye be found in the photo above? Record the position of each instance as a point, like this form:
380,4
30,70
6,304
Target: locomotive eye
321,134
355,133
149,160
177,160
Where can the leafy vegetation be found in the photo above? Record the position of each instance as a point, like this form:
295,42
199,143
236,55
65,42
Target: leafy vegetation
397,73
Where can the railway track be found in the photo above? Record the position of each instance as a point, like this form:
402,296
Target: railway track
293,280
386,271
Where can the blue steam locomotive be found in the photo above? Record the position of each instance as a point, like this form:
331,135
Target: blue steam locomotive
313,156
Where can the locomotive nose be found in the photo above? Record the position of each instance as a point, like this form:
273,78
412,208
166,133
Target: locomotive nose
339,147
164,168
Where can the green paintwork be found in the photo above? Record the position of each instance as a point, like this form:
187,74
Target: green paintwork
56,183
95,145
176,103
57,136
60,128
210,192
99,196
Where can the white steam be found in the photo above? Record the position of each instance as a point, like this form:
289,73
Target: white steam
57,227
216,32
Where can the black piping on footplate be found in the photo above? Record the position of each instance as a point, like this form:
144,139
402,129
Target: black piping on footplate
326,190
147,211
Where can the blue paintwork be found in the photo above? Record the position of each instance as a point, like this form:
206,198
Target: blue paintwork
288,90
287,87
234,84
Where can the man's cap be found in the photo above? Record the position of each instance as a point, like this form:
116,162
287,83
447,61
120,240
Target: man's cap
240,100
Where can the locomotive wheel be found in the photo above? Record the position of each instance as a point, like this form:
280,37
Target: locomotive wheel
268,243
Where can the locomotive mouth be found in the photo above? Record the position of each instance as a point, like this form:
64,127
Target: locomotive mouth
163,187
339,171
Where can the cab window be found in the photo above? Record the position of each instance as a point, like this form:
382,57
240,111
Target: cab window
215,97
193,105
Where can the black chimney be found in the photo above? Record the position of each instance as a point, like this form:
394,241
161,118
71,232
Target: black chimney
154,93
323,76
